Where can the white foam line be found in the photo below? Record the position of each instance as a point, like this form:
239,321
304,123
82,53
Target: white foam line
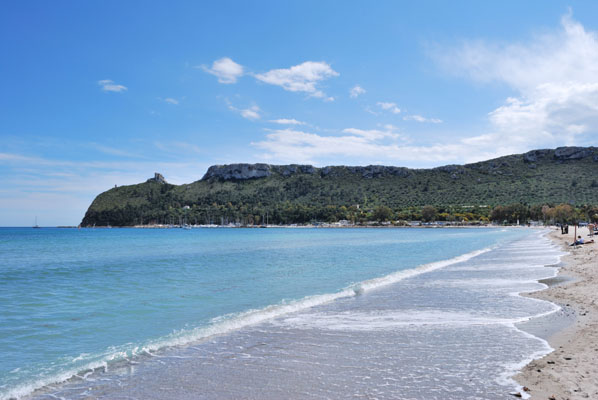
232,322
228,323
366,321
28,388
506,378
400,275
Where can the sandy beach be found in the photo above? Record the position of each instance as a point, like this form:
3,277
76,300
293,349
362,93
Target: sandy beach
571,370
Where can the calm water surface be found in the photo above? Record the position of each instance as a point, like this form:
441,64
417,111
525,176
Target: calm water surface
71,300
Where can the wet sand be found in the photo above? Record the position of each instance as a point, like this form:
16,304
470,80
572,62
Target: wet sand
571,370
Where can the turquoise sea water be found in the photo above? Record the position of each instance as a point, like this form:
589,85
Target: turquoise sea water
77,299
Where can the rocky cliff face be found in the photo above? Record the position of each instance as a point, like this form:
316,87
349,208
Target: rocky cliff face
367,172
574,153
238,172
535,155
288,170
561,154
253,171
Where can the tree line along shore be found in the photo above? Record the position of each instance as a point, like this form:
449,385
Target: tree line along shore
515,214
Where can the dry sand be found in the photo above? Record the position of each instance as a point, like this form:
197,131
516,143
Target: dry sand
571,370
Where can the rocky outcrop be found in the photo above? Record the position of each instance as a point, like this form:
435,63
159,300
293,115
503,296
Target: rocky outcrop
157,178
572,153
252,171
238,171
288,170
367,172
501,166
332,171
451,169
375,171
535,155
454,170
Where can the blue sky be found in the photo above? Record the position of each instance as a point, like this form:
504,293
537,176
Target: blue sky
102,93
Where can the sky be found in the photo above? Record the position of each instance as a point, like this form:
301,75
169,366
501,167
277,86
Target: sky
101,93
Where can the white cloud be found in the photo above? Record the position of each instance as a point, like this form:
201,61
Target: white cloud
10,157
373,112
419,118
300,78
170,100
356,91
374,134
288,145
380,146
252,113
555,80
108,85
225,69
391,107
287,121
357,146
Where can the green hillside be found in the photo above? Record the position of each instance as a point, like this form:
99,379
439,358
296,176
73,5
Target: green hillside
249,193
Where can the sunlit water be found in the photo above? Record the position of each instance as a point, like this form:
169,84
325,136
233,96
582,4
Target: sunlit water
268,313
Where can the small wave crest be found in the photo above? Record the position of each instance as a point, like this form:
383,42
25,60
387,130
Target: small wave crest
367,321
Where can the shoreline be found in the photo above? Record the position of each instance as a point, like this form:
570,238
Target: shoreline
570,370
307,226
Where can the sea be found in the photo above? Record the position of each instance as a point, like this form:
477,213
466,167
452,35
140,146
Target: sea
306,313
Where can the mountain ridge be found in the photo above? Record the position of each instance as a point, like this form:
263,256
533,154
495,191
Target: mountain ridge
243,171
297,193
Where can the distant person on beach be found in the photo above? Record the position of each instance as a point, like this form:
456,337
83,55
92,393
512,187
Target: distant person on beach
581,241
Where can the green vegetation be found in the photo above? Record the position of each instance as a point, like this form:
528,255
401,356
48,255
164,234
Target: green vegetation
506,189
